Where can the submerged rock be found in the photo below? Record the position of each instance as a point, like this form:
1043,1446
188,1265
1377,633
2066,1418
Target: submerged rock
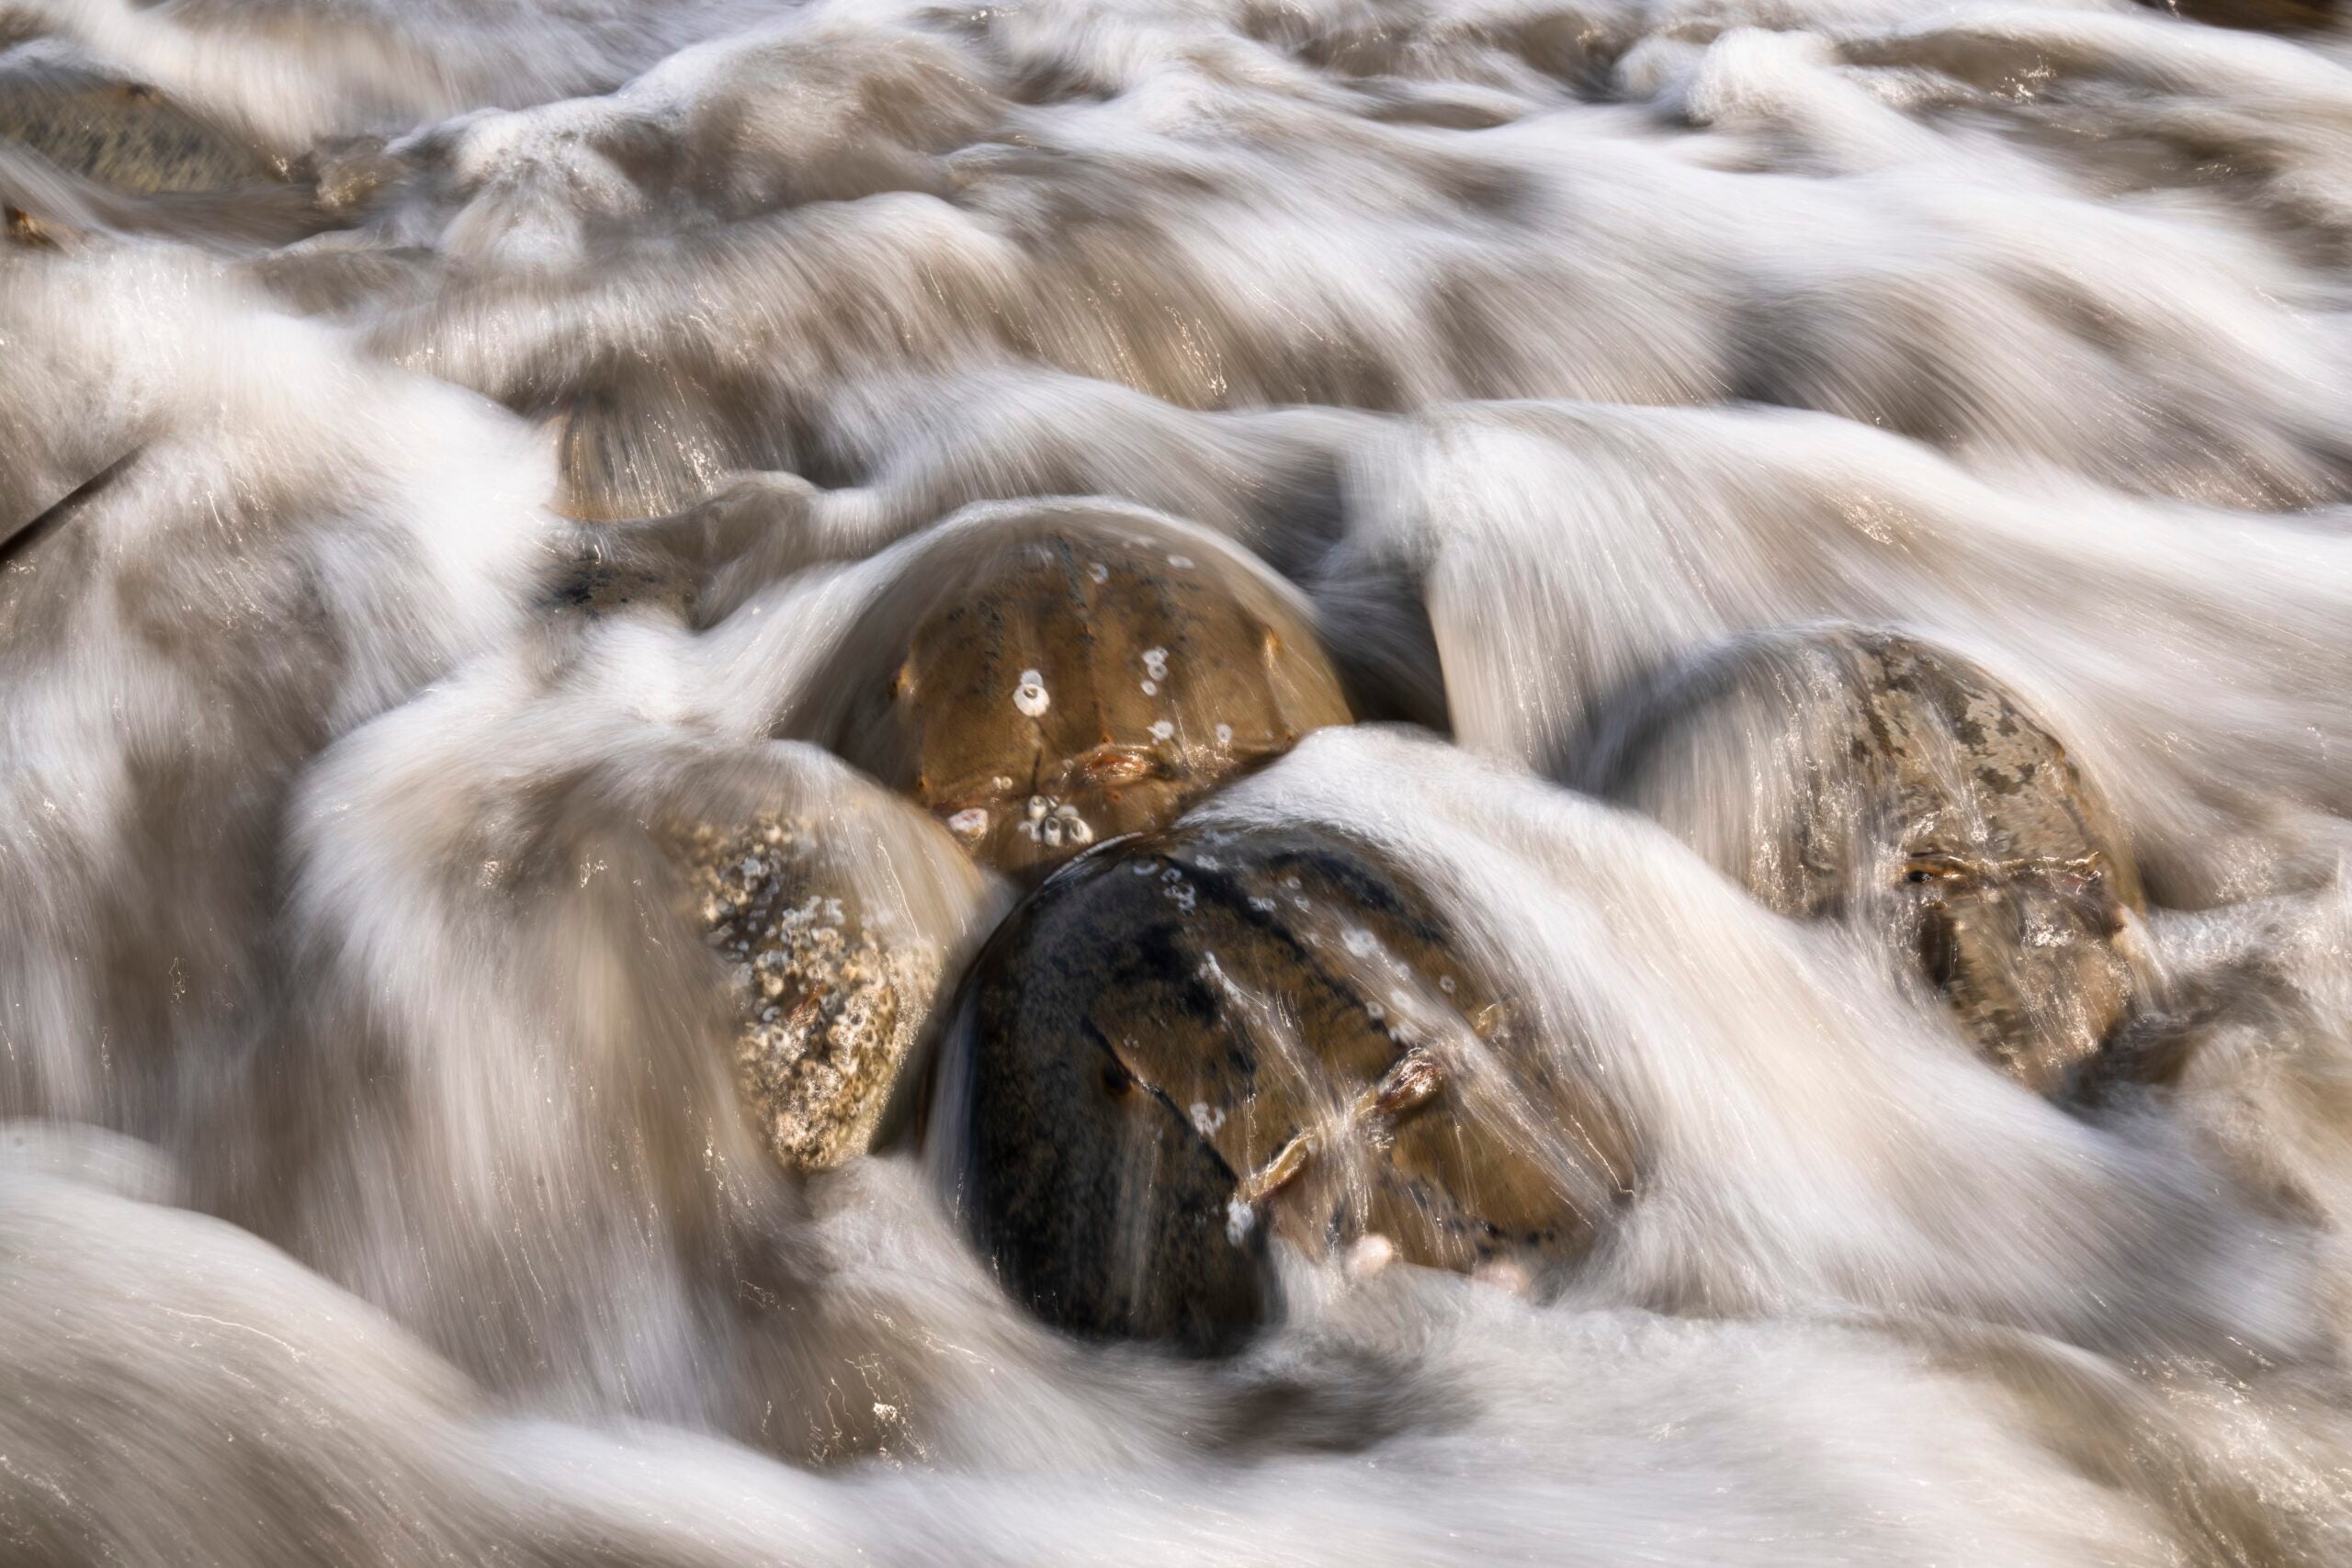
599,577
828,993
647,450
1871,778
1075,688
2256,16
1178,1048
119,133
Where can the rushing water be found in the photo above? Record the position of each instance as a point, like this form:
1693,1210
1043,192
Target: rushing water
374,1185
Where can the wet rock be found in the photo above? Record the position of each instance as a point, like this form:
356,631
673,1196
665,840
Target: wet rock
600,577
643,451
24,229
2255,15
348,173
119,133
698,565
1179,1048
1076,688
1871,778
829,991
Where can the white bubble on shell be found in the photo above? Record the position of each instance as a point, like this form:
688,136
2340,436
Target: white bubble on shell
1371,1254
969,823
1162,730
1098,571
1151,688
1155,663
1031,696
1181,563
1503,1273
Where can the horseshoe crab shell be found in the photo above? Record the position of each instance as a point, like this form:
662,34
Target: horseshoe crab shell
1178,1047
1870,777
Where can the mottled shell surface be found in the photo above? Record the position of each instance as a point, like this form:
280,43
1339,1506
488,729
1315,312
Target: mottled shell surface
1872,778
1081,689
1179,1047
121,134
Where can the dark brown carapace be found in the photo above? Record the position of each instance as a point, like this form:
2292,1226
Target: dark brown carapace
1175,1050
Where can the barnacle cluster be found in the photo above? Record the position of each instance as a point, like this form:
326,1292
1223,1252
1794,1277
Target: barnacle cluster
828,994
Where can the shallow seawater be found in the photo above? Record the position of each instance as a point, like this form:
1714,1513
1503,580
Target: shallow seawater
452,456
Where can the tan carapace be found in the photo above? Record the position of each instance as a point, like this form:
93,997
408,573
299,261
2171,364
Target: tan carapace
1079,688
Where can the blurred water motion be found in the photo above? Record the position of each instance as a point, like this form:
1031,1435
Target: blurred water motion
553,559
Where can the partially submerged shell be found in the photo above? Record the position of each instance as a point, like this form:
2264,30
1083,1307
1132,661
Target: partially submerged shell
1872,778
828,992
1179,1047
1077,685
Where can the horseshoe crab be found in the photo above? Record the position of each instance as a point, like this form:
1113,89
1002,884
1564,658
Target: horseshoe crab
1071,687
1181,1046
1878,780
